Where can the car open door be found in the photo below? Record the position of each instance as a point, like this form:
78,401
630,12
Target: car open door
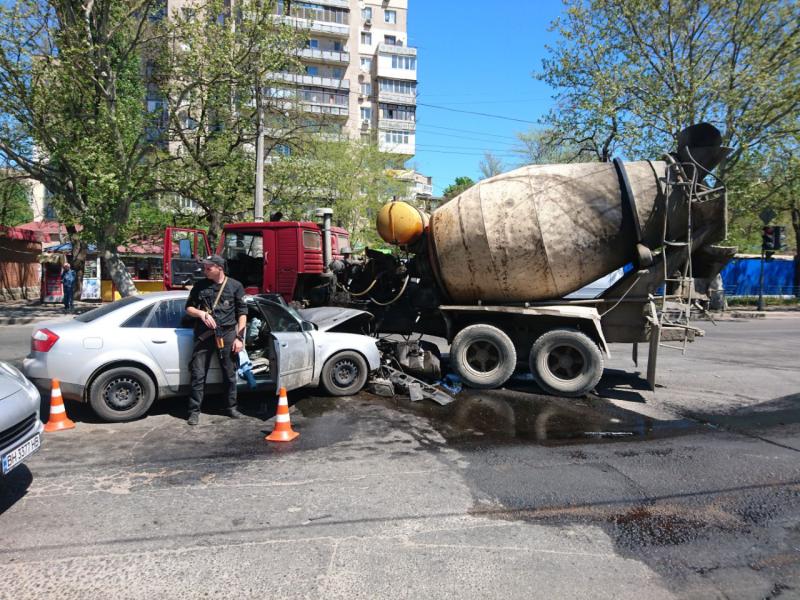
294,353
292,345
183,248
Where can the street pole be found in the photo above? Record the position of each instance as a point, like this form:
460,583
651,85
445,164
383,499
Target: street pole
760,305
258,205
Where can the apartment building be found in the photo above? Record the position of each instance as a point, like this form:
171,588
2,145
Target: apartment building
359,68
360,73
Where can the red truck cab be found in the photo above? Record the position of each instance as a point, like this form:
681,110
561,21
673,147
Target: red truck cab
284,257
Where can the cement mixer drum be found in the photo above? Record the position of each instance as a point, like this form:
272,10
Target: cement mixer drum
541,232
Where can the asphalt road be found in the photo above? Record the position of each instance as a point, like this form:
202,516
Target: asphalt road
691,491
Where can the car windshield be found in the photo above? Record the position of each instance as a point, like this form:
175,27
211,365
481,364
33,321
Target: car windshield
106,309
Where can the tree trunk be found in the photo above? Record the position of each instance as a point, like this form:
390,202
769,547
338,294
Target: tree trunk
119,274
214,230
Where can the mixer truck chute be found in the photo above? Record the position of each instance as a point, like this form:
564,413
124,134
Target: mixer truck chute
491,269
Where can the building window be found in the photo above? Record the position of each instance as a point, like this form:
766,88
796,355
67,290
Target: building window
315,12
337,46
396,86
337,72
391,40
312,43
395,137
366,13
398,113
312,70
366,89
366,63
282,150
366,113
366,38
390,16
407,63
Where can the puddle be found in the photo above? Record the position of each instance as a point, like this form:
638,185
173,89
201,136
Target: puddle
483,416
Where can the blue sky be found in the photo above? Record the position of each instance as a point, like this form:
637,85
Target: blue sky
476,56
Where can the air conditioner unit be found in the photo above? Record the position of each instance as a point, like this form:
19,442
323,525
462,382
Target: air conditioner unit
361,76
367,22
365,123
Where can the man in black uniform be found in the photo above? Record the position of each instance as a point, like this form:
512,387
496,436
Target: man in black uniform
217,304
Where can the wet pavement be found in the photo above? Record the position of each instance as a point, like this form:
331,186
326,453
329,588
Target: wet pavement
691,491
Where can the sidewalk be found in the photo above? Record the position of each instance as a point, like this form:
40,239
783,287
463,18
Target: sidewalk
22,312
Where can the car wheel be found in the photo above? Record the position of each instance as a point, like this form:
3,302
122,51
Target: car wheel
566,362
122,394
344,374
483,356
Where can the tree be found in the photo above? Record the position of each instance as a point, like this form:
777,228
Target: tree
15,207
212,77
71,112
490,165
461,184
542,147
630,75
354,178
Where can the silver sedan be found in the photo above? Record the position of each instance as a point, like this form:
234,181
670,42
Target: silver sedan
20,427
121,356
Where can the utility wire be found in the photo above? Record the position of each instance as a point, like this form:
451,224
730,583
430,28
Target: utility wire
482,133
472,112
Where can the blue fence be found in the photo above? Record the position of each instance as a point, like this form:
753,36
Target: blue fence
740,276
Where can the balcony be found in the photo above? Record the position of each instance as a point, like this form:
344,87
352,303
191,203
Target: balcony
408,149
326,109
423,189
326,82
325,56
341,30
397,125
336,3
395,98
395,49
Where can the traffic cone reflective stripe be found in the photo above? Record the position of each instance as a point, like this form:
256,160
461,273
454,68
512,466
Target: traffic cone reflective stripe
283,431
58,413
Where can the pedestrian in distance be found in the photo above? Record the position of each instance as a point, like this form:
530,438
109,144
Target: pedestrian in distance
217,305
68,285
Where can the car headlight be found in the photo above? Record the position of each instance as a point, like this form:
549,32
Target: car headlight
17,375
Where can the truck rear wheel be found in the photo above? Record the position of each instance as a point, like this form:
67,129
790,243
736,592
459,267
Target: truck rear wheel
566,362
483,356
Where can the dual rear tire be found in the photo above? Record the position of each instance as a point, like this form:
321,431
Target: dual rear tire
564,362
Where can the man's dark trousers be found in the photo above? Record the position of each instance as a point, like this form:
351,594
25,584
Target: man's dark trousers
69,293
201,358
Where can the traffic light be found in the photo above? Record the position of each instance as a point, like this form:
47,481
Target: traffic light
778,237
768,238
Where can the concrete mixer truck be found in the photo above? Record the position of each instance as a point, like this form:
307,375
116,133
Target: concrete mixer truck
492,269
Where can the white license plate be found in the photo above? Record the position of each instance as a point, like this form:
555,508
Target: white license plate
18,454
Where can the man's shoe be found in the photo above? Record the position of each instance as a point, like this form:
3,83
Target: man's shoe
234,414
193,419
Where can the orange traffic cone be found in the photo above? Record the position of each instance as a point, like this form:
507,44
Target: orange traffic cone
283,431
58,414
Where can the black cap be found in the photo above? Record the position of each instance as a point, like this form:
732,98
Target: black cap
215,259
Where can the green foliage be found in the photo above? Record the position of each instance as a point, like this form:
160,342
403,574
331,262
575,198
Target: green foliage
631,74
461,184
490,165
353,178
15,208
212,79
542,147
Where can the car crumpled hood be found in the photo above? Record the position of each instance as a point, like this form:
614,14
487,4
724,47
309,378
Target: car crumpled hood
328,317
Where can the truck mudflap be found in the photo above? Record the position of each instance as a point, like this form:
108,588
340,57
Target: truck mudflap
562,311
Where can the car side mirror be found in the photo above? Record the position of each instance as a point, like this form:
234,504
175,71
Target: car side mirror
308,326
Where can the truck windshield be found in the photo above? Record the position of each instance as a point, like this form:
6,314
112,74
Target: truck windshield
244,253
